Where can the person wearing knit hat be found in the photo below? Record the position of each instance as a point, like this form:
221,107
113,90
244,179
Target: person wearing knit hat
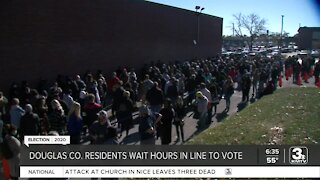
199,94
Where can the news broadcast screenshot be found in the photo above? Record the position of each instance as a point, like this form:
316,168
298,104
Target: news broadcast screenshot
159,89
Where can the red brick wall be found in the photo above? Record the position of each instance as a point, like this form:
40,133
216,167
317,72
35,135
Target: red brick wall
43,38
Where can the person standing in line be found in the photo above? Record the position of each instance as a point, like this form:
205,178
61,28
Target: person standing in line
147,129
92,87
215,96
57,118
180,110
171,89
124,113
147,84
1,129
67,98
202,108
3,105
30,123
90,110
246,86
191,86
16,112
99,130
255,80
316,74
41,109
228,92
75,123
155,98
14,146
117,95
168,115
207,93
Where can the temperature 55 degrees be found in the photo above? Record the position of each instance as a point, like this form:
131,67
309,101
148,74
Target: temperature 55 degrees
272,160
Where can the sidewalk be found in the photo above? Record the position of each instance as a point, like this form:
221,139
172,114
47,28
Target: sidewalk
190,129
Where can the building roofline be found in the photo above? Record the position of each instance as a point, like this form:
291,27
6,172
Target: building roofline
305,27
181,9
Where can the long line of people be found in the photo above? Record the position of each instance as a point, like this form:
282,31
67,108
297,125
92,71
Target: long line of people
213,77
76,106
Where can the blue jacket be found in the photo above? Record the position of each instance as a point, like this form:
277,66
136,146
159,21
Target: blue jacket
74,125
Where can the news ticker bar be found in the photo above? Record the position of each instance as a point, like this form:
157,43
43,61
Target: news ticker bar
168,172
183,155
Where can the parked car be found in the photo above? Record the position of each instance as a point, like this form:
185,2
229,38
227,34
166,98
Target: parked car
315,52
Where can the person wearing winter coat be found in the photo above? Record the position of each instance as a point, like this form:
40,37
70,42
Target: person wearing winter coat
124,113
155,98
14,145
168,116
16,112
30,123
228,92
202,108
57,118
180,110
75,123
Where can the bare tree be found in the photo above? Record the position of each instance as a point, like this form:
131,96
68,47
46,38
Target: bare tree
252,24
238,24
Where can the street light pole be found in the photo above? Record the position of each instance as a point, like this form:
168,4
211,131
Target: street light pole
198,27
198,21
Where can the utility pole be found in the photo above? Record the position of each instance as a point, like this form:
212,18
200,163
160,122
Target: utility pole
267,39
281,31
233,29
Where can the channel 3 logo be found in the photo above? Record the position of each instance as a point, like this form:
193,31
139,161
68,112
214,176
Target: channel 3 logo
298,155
